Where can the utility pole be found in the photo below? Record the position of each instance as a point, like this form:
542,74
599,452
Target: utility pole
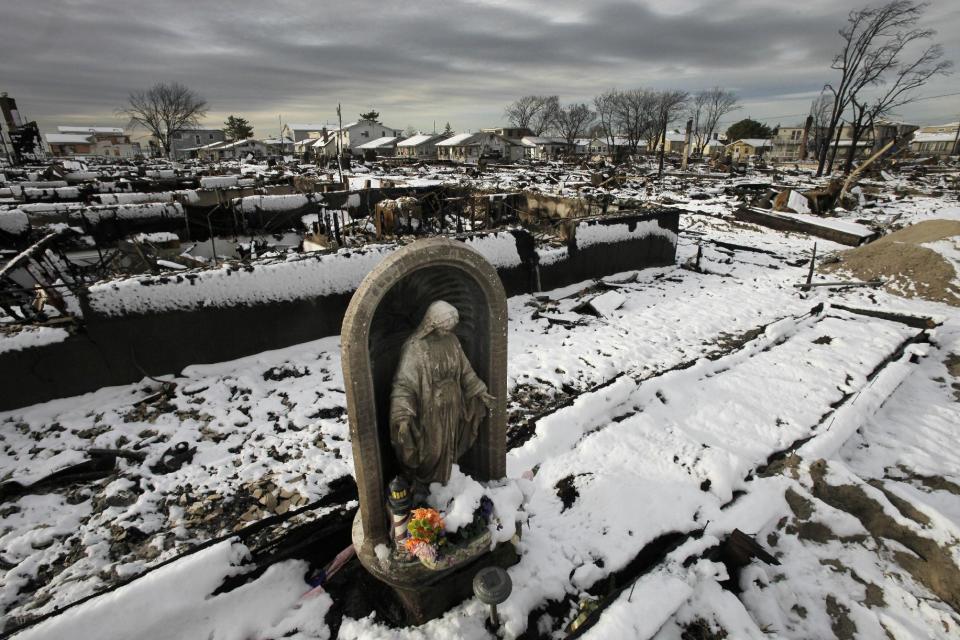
956,141
6,151
339,143
686,145
802,155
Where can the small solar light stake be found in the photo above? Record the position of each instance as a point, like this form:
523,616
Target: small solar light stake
492,586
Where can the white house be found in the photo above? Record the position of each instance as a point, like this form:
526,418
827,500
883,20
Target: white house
230,150
469,148
601,146
302,130
544,148
352,135
385,146
279,147
422,146
934,144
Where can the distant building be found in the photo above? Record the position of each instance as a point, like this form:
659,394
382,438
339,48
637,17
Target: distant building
674,141
886,130
351,136
950,127
65,145
92,141
302,131
601,145
936,140
192,139
934,144
786,144
470,148
236,150
385,146
278,147
422,146
544,148
514,133
746,148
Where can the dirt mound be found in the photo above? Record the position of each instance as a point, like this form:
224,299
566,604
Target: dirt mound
909,269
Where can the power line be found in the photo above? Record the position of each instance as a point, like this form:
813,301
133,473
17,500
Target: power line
804,115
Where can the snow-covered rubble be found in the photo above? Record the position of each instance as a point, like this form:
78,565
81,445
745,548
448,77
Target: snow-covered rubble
297,278
701,402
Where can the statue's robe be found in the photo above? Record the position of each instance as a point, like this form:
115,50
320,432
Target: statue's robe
435,407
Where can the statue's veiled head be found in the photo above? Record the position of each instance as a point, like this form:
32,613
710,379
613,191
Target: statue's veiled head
440,316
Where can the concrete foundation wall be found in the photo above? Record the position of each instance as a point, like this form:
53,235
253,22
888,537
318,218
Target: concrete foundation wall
114,350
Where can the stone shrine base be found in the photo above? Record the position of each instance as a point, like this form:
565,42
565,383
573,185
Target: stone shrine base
425,594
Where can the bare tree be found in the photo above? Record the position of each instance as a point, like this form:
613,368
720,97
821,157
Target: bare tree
820,110
669,105
164,109
865,54
605,106
706,108
636,115
532,112
572,121
546,117
520,112
898,92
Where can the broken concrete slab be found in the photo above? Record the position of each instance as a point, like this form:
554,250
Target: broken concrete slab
840,231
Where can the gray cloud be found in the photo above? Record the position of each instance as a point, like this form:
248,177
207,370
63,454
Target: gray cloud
72,61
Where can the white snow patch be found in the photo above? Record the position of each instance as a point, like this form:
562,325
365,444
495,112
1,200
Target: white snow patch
29,337
14,221
500,248
176,602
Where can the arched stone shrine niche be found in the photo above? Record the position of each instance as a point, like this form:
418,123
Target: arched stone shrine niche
383,313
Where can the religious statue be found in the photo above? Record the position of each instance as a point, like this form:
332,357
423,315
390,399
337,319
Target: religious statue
437,401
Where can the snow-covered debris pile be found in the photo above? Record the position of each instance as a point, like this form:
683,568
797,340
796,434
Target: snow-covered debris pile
921,260
139,198
15,222
219,182
95,215
499,248
293,202
300,277
601,231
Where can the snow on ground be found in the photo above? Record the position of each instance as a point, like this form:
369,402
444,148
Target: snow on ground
685,391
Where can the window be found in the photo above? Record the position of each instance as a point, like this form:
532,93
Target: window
365,134
198,139
209,136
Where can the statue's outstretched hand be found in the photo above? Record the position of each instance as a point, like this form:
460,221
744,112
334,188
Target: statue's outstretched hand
488,400
409,444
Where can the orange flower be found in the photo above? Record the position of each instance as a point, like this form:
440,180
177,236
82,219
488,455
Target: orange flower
431,516
425,525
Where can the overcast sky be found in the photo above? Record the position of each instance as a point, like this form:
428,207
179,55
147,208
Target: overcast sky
74,61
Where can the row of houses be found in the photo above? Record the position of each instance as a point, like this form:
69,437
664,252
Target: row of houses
935,140
370,138
92,141
507,144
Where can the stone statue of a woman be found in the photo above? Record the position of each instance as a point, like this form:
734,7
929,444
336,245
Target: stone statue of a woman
437,401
